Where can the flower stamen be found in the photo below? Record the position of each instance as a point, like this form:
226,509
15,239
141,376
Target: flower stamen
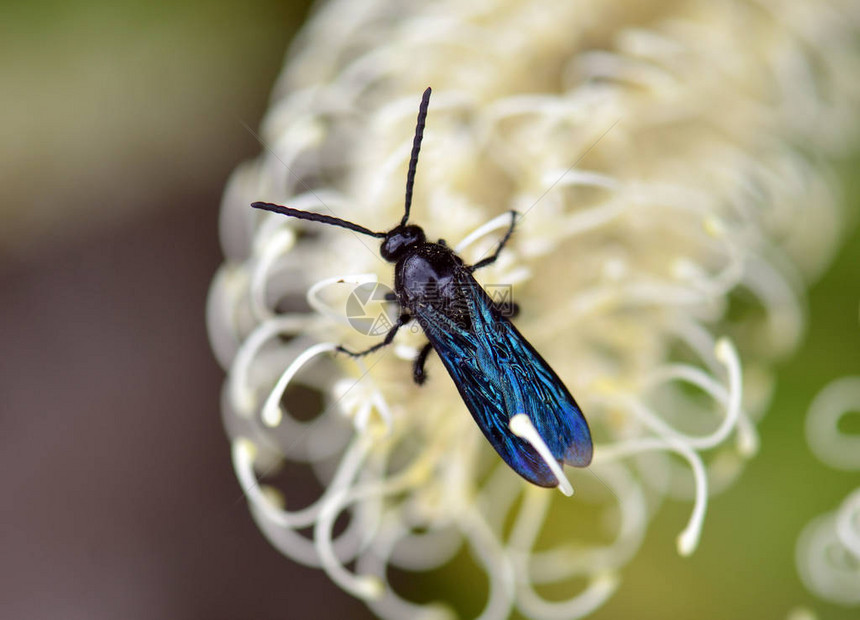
522,427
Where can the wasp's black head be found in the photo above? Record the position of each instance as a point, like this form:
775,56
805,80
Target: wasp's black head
400,240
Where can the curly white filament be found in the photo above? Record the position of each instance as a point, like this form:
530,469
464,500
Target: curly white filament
848,524
602,583
315,301
244,453
730,397
272,248
362,586
522,427
839,450
601,586
688,539
391,532
271,413
225,295
502,221
242,395
495,562
826,566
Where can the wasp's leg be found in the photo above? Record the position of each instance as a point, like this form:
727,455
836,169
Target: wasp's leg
402,320
418,374
492,259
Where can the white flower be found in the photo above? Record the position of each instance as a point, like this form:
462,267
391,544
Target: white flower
663,156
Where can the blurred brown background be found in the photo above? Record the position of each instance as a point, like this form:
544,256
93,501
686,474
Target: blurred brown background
119,124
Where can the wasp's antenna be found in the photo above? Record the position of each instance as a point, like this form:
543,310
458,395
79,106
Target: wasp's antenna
316,217
416,148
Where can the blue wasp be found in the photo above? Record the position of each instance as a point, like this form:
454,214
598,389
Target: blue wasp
497,372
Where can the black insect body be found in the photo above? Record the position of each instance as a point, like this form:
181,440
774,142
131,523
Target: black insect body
497,372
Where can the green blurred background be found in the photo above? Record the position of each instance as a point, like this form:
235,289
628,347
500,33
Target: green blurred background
120,124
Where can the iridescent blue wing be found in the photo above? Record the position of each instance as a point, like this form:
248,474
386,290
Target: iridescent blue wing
499,374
